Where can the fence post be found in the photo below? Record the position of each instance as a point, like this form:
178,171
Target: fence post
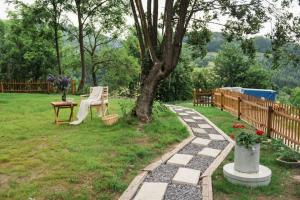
194,96
1,86
269,121
239,108
222,99
48,87
213,98
73,85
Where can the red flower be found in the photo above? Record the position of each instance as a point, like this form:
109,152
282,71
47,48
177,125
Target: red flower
232,136
238,126
259,132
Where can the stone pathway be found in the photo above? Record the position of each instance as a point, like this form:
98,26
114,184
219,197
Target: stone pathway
179,177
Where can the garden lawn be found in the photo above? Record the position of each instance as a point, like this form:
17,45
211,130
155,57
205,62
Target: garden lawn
41,160
282,185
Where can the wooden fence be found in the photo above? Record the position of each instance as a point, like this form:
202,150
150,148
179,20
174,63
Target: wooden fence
31,87
277,120
202,97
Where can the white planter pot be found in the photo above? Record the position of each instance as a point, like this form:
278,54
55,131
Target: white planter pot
247,160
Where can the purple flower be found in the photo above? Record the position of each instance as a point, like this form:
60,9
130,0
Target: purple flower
50,78
61,82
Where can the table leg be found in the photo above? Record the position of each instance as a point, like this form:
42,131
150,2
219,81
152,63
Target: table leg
56,113
71,114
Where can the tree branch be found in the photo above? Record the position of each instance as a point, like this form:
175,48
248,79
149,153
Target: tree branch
146,30
138,30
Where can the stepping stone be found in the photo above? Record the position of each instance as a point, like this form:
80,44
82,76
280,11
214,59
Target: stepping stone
180,159
199,130
209,152
187,176
216,137
190,112
178,109
152,191
196,117
188,120
183,114
204,126
201,141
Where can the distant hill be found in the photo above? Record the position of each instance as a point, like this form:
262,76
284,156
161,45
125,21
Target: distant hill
262,44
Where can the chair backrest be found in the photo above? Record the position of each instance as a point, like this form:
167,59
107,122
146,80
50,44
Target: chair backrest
104,95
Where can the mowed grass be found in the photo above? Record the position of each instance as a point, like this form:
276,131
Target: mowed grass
41,160
282,186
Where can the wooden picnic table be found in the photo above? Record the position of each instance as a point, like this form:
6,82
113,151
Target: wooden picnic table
63,105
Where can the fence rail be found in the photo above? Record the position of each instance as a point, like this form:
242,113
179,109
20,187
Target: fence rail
31,87
277,120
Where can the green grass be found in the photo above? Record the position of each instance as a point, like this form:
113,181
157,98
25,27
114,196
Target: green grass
282,185
41,160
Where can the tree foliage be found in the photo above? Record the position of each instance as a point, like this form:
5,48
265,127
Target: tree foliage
205,78
231,65
27,50
178,86
234,68
118,70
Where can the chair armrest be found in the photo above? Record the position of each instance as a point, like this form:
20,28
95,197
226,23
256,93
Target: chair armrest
84,96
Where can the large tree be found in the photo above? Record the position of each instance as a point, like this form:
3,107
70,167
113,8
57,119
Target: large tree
86,10
102,30
54,12
160,56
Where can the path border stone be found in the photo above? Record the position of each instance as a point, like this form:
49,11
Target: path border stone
207,193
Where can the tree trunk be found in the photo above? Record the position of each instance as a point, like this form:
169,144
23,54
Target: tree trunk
81,45
57,50
149,84
94,76
143,109
56,37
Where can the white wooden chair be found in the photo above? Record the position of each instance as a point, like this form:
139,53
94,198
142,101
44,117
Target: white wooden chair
101,105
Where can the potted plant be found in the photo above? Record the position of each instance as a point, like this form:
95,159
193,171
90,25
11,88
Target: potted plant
247,151
61,83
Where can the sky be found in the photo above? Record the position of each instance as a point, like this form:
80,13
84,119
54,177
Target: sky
4,7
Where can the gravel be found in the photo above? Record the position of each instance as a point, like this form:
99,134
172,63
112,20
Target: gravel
200,162
216,144
192,149
163,173
192,124
200,121
183,192
212,131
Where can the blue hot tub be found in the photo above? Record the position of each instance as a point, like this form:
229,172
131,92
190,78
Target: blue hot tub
260,93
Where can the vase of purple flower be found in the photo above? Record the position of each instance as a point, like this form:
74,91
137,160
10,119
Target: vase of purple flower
61,83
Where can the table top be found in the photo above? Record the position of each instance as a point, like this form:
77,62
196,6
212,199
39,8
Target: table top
63,103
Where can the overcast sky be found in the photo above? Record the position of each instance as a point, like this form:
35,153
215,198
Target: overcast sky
4,7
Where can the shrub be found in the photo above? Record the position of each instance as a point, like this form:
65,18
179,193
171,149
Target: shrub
289,155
